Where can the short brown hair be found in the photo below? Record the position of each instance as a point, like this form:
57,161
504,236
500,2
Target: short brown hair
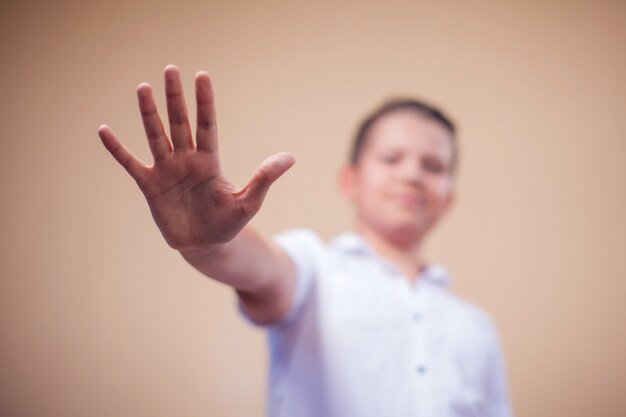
390,106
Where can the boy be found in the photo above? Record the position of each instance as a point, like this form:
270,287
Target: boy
360,327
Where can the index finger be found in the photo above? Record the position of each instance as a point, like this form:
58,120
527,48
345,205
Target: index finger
206,135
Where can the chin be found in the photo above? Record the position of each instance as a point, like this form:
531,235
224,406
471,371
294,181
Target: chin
405,234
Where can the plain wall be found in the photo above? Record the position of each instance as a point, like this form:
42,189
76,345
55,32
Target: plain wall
99,317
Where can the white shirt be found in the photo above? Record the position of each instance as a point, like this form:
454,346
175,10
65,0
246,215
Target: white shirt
361,340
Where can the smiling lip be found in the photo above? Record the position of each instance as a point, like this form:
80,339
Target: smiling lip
411,200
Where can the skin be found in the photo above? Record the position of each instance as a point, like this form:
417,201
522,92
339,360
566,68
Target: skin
193,204
198,211
401,186
397,194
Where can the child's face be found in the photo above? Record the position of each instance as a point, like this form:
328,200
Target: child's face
402,183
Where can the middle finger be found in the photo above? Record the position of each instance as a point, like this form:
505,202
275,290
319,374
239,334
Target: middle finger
180,129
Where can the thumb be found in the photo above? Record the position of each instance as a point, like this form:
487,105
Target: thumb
268,172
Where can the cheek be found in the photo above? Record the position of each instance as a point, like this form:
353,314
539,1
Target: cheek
368,180
439,188
370,197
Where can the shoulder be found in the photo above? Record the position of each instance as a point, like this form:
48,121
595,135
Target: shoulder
470,323
467,311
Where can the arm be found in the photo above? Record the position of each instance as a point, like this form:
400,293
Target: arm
262,274
198,211
495,385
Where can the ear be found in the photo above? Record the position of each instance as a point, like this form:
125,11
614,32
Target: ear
346,179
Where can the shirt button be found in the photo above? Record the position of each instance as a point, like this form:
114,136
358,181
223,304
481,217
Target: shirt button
421,369
417,316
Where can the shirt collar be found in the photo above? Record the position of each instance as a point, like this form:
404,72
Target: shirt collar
352,242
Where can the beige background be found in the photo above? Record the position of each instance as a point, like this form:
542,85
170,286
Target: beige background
100,318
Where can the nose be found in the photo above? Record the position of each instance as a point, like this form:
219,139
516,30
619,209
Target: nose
411,171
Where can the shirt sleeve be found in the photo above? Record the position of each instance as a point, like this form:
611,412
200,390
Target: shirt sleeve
304,247
495,378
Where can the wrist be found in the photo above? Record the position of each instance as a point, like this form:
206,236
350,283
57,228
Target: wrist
207,252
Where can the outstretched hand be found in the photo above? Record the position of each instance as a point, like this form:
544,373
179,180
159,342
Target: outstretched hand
191,201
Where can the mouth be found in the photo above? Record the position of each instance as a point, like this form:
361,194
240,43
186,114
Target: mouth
411,200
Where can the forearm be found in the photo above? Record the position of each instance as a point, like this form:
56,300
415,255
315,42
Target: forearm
262,274
249,263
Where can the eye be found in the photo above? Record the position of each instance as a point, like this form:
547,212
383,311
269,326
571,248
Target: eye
433,165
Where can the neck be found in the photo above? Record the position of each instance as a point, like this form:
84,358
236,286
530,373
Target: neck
406,257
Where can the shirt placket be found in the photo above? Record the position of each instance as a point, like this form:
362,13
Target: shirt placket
421,366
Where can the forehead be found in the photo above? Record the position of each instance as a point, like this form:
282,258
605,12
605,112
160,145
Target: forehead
409,130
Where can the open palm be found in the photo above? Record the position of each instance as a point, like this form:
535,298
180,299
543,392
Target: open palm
191,201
